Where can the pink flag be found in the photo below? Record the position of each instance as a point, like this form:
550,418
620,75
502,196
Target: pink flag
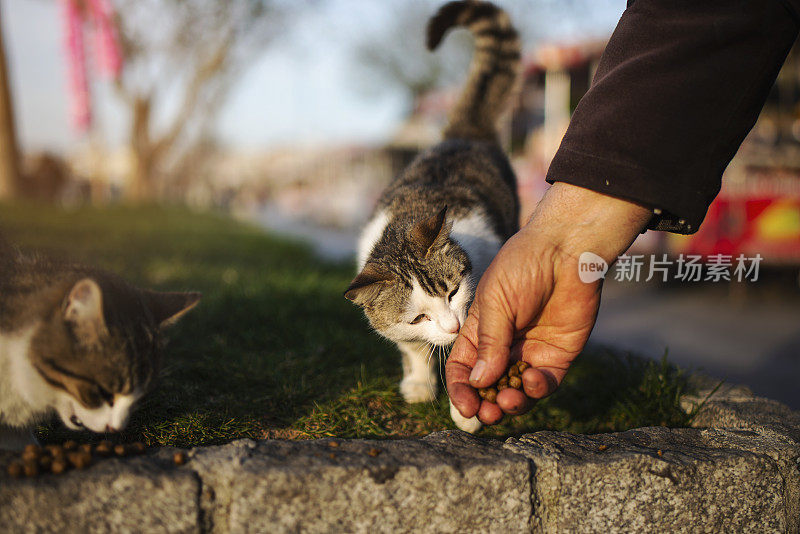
80,108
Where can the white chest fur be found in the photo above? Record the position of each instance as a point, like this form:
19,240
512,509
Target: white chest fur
20,406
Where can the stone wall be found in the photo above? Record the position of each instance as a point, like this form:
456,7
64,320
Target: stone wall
737,472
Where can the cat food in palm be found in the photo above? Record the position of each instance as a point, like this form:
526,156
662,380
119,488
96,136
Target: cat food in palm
512,379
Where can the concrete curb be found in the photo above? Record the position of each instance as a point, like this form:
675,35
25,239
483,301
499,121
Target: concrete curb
739,473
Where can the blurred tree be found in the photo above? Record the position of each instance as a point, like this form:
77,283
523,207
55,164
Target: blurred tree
393,57
9,151
180,59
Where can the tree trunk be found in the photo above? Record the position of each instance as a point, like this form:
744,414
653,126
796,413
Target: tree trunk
143,165
9,152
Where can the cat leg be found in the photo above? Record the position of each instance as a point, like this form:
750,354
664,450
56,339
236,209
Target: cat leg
419,382
471,425
14,439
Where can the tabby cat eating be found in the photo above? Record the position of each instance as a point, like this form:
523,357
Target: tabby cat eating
75,341
440,222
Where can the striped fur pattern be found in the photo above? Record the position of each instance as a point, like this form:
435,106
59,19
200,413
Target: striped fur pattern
493,74
437,226
75,341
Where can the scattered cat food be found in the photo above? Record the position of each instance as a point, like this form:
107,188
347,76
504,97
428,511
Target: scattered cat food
46,462
31,468
104,448
31,453
179,458
512,379
15,470
79,459
58,467
333,444
601,448
374,452
58,459
658,452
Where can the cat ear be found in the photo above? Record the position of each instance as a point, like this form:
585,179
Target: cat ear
83,309
425,233
168,307
367,284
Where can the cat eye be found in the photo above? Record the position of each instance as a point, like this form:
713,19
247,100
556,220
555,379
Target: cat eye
419,318
107,396
452,294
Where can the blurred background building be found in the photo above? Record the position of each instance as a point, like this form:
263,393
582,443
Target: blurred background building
296,114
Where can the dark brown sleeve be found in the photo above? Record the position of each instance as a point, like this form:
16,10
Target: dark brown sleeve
679,85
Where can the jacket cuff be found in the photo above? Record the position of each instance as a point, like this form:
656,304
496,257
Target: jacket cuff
675,209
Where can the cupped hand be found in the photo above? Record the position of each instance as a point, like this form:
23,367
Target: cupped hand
531,303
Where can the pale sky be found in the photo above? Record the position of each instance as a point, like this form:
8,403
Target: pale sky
300,90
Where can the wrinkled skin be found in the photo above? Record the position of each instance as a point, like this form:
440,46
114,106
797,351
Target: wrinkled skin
532,305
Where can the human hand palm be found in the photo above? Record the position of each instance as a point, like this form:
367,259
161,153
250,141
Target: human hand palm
530,305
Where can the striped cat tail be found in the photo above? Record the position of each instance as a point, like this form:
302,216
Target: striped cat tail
494,71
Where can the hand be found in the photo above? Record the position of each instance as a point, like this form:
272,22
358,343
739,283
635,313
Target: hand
531,304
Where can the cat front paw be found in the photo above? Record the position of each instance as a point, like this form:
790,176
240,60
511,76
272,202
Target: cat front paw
471,424
416,391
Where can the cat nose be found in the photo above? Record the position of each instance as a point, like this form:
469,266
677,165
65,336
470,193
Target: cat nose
453,327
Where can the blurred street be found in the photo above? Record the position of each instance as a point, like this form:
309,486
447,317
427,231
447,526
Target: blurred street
751,339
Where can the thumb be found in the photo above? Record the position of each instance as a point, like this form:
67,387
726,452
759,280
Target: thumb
495,334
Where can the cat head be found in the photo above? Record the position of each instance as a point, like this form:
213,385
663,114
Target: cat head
416,284
98,349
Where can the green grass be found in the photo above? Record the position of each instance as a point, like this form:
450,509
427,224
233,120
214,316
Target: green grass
274,350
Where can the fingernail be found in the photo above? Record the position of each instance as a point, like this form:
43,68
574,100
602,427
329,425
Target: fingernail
477,371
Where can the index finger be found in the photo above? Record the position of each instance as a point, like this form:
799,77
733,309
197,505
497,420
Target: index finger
459,366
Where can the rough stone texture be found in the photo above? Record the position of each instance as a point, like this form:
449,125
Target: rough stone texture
447,482
134,495
737,471
620,482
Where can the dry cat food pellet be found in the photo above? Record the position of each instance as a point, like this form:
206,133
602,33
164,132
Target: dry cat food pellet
659,452
31,468
86,447
58,467
46,462
374,452
179,458
79,459
333,444
70,445
120,450
601,448
15,470
138,447
512,379
104,448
